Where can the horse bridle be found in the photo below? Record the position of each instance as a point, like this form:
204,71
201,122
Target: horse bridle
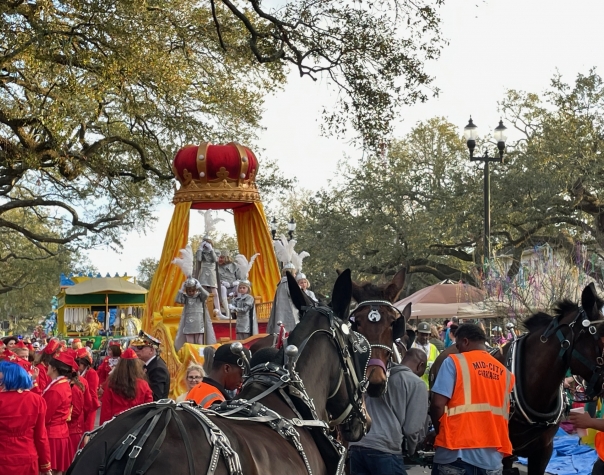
375,316
567,347
350,364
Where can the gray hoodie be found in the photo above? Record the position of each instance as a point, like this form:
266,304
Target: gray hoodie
401,411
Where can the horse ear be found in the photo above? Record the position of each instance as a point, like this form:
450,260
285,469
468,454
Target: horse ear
357,292
341,295
299,298
399,326
395,286
589,299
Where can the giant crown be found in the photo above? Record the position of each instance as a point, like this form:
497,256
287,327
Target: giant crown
222,175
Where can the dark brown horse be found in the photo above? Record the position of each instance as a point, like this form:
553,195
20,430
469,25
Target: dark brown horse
572,339
178,442
382,324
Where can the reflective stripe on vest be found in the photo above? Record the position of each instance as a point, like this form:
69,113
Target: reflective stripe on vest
210,398
467,406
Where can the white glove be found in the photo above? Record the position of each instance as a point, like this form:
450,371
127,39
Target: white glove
207,245
231,294
235,283
225,284
232,307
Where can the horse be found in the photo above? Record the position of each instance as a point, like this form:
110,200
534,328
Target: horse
572,339
279,423
383,325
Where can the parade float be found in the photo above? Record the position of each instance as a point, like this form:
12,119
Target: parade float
211,177
91,306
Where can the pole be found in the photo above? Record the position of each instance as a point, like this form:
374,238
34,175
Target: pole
487,213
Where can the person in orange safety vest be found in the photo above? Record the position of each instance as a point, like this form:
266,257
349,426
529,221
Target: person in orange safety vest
470,408
585,421
226,375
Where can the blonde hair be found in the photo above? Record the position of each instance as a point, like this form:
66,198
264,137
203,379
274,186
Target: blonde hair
434,332
196,367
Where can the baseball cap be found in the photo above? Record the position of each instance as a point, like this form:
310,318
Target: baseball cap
423,327
225,355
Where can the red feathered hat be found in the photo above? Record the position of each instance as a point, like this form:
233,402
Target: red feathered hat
20,344
51,348
129,354
67,358
82,353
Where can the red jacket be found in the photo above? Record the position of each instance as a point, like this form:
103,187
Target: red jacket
43,379
58,406
23,441
103,371
113,403
92,378
79,400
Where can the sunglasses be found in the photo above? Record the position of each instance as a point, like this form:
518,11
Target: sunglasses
140,347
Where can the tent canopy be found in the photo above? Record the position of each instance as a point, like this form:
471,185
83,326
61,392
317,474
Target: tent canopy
105,285
447,299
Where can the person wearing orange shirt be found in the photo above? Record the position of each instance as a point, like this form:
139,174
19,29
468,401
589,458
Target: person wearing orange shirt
126,387
88,373
58,402
24,445
471,435
226,375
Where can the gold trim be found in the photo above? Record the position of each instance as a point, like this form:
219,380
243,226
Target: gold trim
244,162
202,163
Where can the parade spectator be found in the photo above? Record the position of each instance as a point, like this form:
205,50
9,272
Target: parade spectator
195,374
400,414
88,373
58,403
76,344
80,399
435,338
471,436
10,341
583,420
89,346
416,360
225,375
21,350
422,342
126,387
146,348
24,445
109,362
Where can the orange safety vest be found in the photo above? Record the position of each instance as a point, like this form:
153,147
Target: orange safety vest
476,416
205,395
599,444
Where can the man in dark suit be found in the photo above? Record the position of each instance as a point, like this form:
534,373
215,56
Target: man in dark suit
146,348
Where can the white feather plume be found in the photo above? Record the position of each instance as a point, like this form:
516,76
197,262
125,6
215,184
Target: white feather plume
298,258
244,266
210,221
284,249
185,261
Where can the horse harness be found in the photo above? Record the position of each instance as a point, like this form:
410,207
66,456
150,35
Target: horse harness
281,379
567,352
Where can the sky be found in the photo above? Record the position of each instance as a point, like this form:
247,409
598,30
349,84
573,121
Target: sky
494,45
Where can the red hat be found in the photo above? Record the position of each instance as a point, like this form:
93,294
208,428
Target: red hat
114,343
11,357
66,358
51,348
82,353
76,340
129,354
8,355
30,347
20,344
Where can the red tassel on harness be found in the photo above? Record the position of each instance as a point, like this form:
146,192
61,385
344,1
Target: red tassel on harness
281,336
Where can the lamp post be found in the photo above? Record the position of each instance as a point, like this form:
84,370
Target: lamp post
291,228
470,132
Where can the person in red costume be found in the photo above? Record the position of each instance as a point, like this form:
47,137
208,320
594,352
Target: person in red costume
58,401
88,373
42,363
80,399
8,355
109,362
126,387
24,445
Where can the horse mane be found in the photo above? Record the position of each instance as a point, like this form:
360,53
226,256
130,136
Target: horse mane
540,320
369,291
265,355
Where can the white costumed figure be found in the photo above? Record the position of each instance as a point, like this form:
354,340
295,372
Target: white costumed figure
195,324
283,309
244,304
207,259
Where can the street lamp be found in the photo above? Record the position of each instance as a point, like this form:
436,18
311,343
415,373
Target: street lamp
291,227
273,225
470,132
